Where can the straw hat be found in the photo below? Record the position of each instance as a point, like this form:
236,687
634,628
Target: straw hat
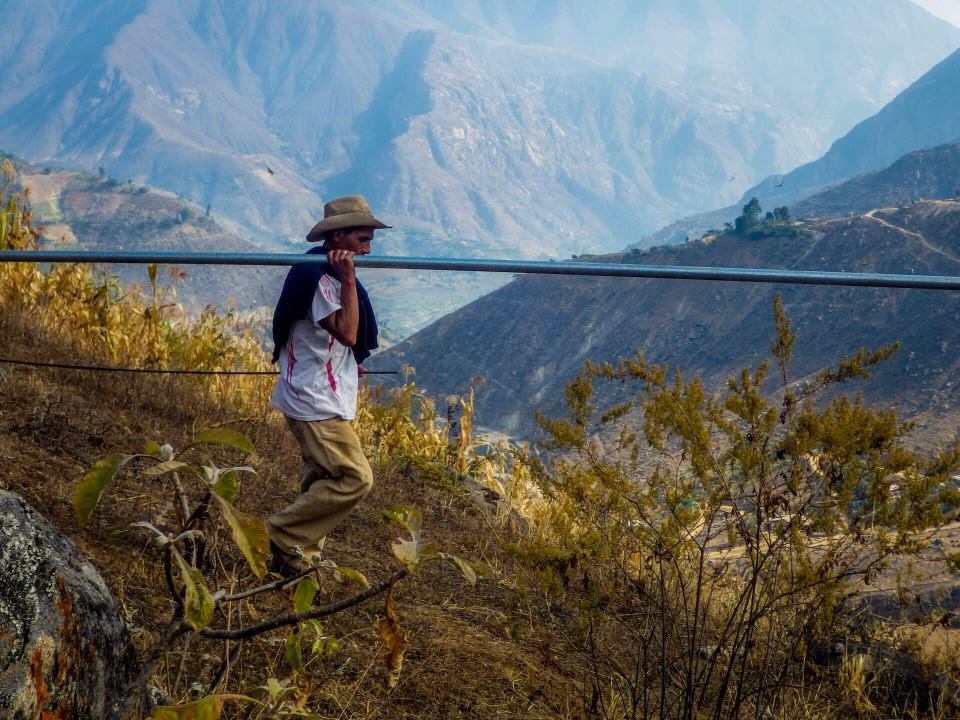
345,212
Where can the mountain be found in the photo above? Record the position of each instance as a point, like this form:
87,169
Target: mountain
485,127
88,212
528,339
482,128
929,174
924,115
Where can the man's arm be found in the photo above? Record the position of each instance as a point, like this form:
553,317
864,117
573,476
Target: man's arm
344,323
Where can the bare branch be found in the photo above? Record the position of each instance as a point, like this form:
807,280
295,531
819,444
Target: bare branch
296,617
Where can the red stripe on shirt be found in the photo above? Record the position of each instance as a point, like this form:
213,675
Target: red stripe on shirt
330,378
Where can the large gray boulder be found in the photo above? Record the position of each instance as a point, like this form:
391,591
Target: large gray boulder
64,647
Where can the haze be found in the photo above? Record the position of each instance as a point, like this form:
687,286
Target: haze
948,10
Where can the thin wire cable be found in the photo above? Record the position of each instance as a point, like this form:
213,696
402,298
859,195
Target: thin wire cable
104,368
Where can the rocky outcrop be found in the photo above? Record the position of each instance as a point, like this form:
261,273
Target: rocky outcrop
64,648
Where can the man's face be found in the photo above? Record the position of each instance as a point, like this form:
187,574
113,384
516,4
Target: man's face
356,241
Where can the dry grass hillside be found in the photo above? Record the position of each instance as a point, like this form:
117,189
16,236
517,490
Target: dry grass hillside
473,650
626,589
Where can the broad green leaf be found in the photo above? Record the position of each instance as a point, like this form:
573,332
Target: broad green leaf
153,449
189,535
414,523
273,690
167,466
321,644
259,693
339,573
250,535
91,486
209,708
412,552
468,572
222,436
394,516
306,590
197,602
227,482
226,486
408,517
160,537
315,625
353,575
292,651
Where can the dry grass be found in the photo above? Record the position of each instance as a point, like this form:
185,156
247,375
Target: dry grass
465,657
461,662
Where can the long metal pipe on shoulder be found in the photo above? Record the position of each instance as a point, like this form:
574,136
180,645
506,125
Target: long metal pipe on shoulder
675,272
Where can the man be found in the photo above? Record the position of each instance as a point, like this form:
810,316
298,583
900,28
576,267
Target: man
323,328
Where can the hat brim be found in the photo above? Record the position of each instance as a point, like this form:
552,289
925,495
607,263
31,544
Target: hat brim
338,222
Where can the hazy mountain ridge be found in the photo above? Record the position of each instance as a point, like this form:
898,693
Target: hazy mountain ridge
531,337
101,213
515,128
104,214
928,174
925,115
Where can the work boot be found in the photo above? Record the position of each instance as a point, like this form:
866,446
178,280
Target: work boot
286,564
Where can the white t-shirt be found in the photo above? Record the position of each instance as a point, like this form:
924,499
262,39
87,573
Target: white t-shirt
318,376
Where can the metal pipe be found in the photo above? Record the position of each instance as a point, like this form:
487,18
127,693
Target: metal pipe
802,277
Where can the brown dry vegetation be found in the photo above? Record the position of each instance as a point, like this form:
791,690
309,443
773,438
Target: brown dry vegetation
461,661
473,651
535,637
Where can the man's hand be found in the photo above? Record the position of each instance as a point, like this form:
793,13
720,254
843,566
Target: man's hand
341,262
343,323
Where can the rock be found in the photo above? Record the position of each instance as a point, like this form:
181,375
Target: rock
65,651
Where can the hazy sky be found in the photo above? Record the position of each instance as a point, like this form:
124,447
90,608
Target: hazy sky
949,10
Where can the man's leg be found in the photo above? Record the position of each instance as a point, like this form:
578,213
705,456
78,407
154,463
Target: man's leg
332,455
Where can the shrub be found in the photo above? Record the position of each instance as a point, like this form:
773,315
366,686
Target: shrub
713,541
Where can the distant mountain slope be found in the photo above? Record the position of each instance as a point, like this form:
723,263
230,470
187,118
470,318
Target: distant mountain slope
929,174
925,114
531,337
101,213
520,128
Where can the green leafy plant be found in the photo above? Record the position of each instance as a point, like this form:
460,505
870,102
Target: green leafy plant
416,550
274,700
220,489
186,547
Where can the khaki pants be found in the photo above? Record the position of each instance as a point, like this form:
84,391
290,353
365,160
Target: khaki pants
336,476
